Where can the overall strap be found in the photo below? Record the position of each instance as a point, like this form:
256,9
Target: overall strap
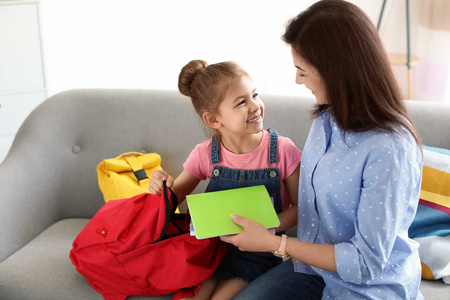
215,159
273,148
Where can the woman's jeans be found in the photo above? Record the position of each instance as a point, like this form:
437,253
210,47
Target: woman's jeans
283,283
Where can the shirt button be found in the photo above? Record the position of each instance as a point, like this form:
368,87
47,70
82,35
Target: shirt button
313,225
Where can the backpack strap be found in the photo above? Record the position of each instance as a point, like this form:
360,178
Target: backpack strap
169,211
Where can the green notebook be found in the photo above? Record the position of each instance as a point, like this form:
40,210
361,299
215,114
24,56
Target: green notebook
211,212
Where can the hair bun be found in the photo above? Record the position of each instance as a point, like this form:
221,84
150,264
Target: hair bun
187,75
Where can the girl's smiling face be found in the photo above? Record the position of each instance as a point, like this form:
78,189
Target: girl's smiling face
309,76
241,112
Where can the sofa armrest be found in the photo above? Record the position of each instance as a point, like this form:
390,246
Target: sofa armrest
28,204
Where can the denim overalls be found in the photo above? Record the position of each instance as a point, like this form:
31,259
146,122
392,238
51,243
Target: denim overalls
247,266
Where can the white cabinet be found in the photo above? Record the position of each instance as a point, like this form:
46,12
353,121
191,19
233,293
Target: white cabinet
22,81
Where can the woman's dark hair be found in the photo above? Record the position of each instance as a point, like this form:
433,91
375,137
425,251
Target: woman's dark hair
339,40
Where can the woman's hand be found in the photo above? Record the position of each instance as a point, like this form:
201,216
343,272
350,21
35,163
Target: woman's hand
255,237
155,186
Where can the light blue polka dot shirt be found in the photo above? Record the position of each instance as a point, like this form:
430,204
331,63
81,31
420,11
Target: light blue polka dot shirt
360,191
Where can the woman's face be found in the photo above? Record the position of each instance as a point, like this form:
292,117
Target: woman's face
309,76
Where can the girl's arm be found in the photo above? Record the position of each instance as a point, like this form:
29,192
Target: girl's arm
288,217
183,185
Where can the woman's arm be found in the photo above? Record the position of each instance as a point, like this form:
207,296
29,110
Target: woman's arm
288,217
256,238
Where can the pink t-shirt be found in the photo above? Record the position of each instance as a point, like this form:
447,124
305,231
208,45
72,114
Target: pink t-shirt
200,166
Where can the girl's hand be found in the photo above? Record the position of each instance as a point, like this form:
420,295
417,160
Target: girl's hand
255,237
155,186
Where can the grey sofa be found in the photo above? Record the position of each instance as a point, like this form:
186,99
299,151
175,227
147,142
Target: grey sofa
48,181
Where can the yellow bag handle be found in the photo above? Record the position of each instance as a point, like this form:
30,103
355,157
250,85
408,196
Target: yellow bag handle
123,155
137,167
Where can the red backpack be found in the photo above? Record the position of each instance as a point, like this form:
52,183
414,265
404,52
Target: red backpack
139,247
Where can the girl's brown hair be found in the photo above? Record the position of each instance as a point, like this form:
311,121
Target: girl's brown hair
207,85
340,41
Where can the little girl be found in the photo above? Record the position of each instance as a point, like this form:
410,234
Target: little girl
239,154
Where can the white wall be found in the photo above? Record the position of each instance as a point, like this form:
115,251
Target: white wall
22,85
145,43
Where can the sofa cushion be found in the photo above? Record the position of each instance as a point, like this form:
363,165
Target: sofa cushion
42,268
431,224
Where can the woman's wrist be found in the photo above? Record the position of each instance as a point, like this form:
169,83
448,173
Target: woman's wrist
281,250
275,243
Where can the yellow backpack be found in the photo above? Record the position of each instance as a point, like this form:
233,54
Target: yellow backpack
127,175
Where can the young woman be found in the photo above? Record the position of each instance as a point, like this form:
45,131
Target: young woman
360,172
239,154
